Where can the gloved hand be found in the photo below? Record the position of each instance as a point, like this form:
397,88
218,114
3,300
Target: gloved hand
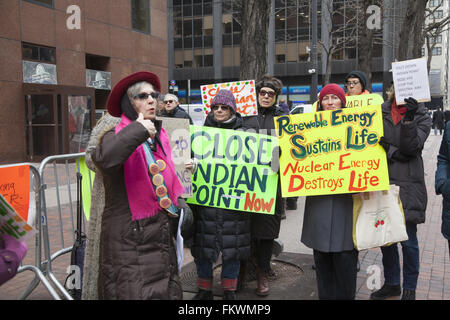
148,124
411,108
382,142
188,219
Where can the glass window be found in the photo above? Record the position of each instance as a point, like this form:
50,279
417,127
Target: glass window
38,53
47,54
208,60
187,27
197,9
187,10
437,51
177,27
30,52
47,3
140,15
198,27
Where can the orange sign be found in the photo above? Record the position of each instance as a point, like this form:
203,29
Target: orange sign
15,188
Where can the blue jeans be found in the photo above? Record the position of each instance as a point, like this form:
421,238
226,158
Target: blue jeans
230,269
391,260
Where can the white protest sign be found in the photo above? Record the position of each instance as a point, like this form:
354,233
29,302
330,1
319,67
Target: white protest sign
179,133
411,80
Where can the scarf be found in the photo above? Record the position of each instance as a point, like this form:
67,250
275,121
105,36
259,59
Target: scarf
397,112
140,191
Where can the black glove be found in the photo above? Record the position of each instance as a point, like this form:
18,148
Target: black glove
411,108
384,144
397,155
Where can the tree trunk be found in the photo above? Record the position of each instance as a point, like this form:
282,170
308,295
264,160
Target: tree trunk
411,37
255,26
365,44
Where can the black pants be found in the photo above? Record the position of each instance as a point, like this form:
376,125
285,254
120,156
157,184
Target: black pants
263,253
336,274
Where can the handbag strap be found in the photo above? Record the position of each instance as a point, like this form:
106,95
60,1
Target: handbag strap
155,167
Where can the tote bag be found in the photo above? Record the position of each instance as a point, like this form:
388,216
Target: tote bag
378,219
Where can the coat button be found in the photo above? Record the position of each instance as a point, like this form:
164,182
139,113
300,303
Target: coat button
8,258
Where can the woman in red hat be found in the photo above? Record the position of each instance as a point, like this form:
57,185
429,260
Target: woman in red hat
137,257
327,227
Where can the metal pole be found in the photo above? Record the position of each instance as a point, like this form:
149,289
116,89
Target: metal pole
313,70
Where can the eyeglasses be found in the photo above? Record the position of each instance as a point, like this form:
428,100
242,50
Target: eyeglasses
145,95
271,94
218,106
169,101
352,83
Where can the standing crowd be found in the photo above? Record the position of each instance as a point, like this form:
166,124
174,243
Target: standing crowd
136,201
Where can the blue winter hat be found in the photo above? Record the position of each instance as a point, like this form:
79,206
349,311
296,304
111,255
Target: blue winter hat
226,98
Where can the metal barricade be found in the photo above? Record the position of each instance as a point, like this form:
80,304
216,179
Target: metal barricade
37,268
58,209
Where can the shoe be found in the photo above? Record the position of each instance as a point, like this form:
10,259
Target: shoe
386,291
203,295
409,294
229,295
263,283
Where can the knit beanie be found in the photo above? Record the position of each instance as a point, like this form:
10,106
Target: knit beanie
332,88
360,75
226,98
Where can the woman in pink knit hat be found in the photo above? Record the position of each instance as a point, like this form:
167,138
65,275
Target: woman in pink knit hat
327,227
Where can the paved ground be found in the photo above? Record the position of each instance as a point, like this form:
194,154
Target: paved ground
434,278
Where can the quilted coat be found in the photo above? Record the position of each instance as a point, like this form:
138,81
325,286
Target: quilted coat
221,230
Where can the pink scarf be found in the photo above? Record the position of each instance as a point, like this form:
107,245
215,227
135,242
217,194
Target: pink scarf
140,191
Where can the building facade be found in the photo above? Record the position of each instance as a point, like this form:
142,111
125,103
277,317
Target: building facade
59,60
204,43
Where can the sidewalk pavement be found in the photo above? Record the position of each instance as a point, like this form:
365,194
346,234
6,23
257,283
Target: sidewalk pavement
434,277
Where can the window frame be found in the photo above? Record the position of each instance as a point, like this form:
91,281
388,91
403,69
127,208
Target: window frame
52,6
38,46
149,18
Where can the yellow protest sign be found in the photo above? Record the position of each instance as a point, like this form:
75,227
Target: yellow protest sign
362,100
332,152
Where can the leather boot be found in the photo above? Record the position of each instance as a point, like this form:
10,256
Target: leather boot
263,283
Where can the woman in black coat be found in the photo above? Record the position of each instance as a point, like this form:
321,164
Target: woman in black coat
265,228
327,227
220,230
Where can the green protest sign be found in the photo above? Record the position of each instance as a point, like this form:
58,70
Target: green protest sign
85,184
234,170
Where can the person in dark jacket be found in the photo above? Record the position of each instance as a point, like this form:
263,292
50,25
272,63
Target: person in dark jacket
137,252
442,182
438,121
216,229
172,109
356,82
327,227
406,128
12,253
266,228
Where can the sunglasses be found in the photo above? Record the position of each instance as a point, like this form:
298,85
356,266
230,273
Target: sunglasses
145,95
271,94
217,107
169,101
352,83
